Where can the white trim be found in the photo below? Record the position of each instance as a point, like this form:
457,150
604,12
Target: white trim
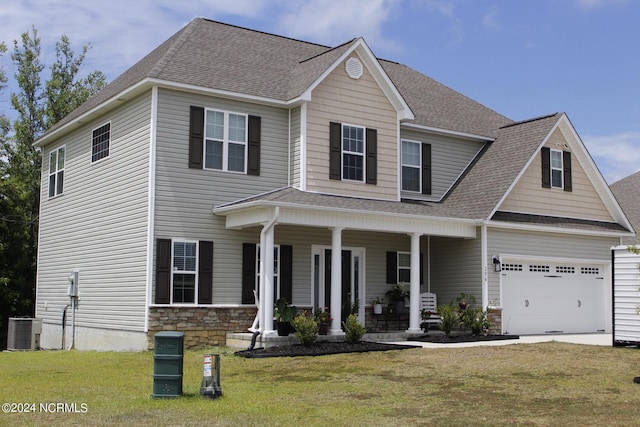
303,147
151,202
56,172
289,152
559,230
447,132
484,254
194,272
354,153
226,141
561,169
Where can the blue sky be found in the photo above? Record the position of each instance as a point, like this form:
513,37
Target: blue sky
522,58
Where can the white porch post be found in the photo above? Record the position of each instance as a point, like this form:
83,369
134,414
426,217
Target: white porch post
336,281
414,297
266,276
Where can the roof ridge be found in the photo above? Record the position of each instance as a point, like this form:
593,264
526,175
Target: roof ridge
264,32
529,120
175,47
328,51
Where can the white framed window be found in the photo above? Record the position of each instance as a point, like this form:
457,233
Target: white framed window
404,267
56,171
100,142
411,160
184,277
556,169
276,271
353,153
225,146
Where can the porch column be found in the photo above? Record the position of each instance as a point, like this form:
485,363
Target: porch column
414,297
336,281
266,277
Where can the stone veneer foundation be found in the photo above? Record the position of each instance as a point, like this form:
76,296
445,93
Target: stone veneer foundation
202,326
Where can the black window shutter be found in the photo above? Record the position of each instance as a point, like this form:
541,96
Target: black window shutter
248,272
196,137
372,156
546,167
392,268
335,151
566,170
163,271
205,272
426,168
253,160
286,272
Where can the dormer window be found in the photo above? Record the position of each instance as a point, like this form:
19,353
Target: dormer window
353,153
416,167
556,169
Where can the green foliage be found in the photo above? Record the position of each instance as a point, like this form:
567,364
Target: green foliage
448,319
475,319
283,311
306,328
353,330
397,293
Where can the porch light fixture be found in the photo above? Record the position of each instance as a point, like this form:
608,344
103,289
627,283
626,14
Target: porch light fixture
496,264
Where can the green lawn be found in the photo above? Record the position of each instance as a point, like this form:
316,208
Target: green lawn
523,384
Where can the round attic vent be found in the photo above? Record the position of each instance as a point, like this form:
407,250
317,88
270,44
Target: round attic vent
354,68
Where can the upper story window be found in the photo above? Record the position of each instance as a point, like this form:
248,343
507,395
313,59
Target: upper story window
411,166
353,153
56,172
556,169
225,141
416,167
100,142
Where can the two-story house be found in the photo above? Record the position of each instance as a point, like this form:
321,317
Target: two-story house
229,161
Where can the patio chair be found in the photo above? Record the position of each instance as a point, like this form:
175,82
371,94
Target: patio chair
429,302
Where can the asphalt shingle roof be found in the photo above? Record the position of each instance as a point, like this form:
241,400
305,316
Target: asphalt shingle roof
219,56
627,192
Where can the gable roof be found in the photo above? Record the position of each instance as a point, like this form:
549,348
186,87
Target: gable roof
626,191
219,58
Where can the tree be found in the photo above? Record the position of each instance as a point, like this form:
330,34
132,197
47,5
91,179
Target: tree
37,110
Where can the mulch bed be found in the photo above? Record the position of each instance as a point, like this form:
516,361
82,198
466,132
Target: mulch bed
443,339
320,349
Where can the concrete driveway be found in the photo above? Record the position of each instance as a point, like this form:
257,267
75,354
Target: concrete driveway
586,339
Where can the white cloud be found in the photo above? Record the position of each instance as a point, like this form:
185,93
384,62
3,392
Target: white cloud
617,156
490,19
332,23
589,5
446,8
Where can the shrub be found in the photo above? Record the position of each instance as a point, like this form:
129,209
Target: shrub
476,319
353,330
306,329
448,319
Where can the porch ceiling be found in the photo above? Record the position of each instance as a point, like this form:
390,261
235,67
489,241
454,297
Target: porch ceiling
325,211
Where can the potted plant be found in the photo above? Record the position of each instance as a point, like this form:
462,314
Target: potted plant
465,300
377,305
323,318
397,296
284,314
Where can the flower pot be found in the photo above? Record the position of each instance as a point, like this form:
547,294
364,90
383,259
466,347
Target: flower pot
323,329
283,328
377,309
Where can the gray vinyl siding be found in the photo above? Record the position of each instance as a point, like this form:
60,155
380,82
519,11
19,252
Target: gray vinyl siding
184,197
99,224
449,158
455,268
552,245
295,147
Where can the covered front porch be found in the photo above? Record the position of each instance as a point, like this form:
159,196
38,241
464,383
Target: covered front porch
381,223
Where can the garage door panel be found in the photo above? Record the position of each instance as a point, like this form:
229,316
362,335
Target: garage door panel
552,297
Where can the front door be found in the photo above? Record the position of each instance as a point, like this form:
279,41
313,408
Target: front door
353,298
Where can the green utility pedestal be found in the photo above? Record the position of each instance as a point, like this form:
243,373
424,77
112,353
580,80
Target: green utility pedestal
168,357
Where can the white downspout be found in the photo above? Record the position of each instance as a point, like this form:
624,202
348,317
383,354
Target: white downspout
266,298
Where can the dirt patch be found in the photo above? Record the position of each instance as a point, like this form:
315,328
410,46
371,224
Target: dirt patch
320,348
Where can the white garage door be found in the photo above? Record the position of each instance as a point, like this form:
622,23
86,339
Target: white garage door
547,297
